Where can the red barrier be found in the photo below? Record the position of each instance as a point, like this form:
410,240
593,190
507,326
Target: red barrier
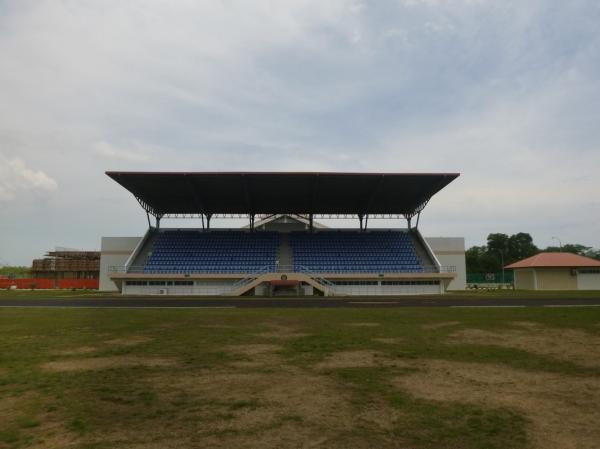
27,283
79,283
41,283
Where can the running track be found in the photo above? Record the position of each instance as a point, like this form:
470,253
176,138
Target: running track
347,302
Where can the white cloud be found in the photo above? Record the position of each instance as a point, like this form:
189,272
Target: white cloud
108,151
15,178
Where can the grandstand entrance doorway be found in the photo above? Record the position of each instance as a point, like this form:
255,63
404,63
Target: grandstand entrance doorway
285,287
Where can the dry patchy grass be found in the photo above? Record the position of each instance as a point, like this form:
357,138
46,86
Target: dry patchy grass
253,349
80,350
433,326
100,363
328,379
563,410
44,429
572,345
132,340
389,340
363,324
281,332
355,359
288,407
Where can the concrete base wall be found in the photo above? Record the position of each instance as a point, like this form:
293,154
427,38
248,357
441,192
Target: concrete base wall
555,279
381,290
524,279
202,288
261,290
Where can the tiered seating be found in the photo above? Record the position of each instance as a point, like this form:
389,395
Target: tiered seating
212,252
354,252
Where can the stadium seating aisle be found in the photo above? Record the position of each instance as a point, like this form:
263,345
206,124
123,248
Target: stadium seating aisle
212,252
355,252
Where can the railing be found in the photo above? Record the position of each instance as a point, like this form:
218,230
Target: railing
318,279
444,269
247,280
231,269
243,269
282,269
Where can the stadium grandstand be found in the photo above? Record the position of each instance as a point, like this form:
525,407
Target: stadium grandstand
283,250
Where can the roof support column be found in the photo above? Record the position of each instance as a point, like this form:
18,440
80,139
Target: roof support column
208,217
360,220
310,222
251,216
149,223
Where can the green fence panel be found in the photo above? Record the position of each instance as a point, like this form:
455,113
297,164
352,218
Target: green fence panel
489,278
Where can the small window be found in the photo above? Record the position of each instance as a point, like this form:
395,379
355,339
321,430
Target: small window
183,283
136,283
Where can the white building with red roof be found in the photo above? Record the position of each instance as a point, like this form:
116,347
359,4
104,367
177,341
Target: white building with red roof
556,271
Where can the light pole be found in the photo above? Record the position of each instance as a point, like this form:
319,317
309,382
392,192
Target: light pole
559,243
502,259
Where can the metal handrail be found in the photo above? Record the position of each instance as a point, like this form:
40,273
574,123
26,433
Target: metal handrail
241,269
317,278
167,269
248,279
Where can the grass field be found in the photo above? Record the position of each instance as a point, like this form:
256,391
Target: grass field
344,378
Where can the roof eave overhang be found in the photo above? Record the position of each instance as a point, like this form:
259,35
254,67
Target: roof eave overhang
162,193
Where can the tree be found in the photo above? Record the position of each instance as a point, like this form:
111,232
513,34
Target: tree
490,263
574,248
498,243
473,259
16,271
480,260
488,258
520,246
593,253
500,248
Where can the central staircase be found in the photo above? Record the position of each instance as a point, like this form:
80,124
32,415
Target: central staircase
284,253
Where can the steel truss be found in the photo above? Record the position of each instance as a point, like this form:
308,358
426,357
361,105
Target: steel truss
306,216
206,217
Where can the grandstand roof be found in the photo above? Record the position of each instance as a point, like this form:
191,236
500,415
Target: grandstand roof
162,193
557,260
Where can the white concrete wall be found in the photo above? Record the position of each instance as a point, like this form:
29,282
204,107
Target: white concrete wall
261,289
450,251
199,288
114,251
309,290
588,281
378,290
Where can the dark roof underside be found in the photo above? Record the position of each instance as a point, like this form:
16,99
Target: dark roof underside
271,193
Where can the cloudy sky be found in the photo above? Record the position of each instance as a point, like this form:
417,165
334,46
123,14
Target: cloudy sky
505,92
